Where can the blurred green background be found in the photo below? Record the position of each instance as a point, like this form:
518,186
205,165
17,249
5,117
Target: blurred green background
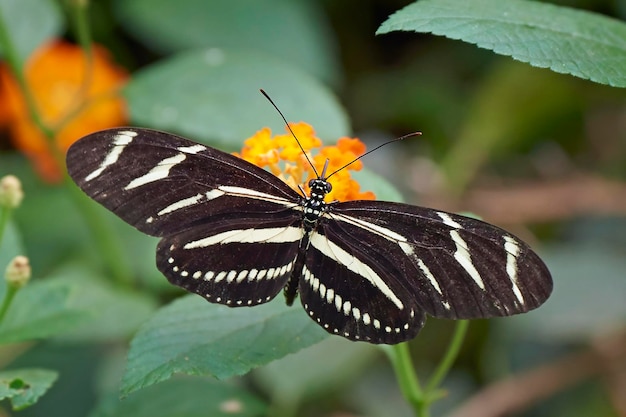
539,153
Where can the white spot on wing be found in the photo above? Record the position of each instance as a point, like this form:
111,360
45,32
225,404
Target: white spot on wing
338,302
160,171
267,235
120,141
448,220
315,283
429,275
347,308
370,227
330,295
464,258
210,195
257,195
193,149
406,248
242,275
185,202
252,274
512,252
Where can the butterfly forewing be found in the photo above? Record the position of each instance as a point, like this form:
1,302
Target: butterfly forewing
162,183
454,266
227,228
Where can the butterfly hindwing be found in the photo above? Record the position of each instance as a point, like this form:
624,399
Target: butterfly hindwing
349,290
243,262
453,266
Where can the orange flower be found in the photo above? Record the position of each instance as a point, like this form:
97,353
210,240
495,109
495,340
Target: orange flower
267,151
69,100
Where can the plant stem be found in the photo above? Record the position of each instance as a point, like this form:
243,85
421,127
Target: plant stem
15,64
420,399
80,23
5,212
8,298
450,356
400,359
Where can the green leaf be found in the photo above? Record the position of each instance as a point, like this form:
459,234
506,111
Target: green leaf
113,313
318,371
213,96
292,31
30,23
194,337
184,396
24,386
568,41
40,309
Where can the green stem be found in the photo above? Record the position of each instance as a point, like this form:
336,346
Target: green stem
446,363
15,64
400,359
8,298
80,20
80,23
421,399
5,213
109,245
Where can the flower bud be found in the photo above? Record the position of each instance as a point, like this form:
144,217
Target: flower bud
11,193
18,272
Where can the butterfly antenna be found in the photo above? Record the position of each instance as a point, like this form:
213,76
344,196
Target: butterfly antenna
289,127
372,150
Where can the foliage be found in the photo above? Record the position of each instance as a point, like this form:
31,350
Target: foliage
537,151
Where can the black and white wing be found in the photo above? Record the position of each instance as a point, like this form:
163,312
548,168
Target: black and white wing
210,208
374,268
236,234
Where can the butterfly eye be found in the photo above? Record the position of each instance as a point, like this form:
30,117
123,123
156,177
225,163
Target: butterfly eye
329,187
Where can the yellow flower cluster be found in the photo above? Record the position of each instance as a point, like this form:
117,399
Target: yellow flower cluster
284,158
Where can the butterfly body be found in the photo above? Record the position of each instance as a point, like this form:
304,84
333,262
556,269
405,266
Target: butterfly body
237,235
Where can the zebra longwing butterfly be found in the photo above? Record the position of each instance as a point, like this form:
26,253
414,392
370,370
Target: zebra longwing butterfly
237,235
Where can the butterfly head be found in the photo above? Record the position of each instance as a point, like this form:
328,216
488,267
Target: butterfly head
319,188
314,204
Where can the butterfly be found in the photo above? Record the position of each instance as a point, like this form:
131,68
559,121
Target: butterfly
237,235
